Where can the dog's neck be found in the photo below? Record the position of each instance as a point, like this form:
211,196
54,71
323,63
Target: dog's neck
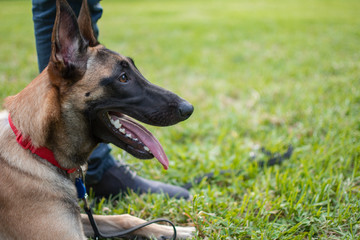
39,112
35,109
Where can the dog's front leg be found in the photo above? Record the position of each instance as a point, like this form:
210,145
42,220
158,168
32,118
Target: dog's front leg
115,223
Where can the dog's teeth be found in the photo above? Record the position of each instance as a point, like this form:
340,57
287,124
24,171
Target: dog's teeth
128,135
122,130
117,124
135,139
146,149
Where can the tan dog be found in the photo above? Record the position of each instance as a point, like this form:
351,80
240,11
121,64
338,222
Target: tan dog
79,100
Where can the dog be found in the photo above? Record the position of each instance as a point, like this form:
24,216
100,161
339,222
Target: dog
86,95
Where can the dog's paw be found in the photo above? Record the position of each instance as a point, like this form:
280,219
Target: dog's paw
181,233
185,232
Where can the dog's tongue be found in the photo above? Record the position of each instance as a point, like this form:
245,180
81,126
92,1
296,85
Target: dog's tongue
148,139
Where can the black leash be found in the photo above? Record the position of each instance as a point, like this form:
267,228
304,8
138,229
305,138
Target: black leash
124,233
81,190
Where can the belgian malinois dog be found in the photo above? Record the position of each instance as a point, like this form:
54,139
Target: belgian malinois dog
85,96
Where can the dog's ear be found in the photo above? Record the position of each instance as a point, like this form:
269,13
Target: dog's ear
85,25
69,49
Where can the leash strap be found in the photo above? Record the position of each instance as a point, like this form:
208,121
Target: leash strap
81,190
124,233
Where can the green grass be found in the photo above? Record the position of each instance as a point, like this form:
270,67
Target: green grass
259,73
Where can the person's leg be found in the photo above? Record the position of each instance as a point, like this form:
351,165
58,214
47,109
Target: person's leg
44,12
99,162
108,177
105,175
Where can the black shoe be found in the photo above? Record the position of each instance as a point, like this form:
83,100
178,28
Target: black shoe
120,179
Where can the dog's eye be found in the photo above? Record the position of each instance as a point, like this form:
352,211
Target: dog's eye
123,78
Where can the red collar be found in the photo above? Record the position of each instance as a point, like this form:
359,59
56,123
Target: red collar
42,152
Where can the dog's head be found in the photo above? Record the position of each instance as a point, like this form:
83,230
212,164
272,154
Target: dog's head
105,89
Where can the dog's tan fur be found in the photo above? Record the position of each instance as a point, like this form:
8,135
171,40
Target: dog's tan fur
38,200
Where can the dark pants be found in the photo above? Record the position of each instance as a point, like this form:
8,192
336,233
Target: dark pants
44,12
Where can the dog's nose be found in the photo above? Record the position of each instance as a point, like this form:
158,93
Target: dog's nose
185,110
